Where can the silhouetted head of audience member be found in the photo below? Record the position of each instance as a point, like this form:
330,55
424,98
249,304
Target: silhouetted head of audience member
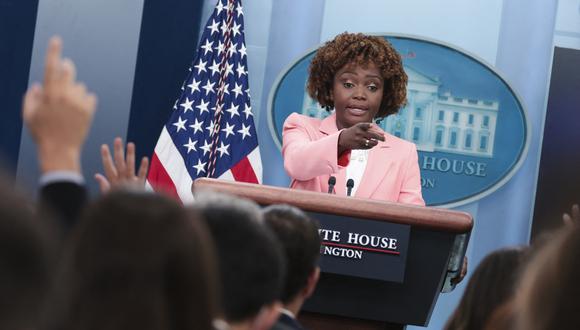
139,261
300,241
503,317
492,284
251,262
547,297
27,251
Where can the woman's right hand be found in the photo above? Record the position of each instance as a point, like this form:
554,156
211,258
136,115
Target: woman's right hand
360,136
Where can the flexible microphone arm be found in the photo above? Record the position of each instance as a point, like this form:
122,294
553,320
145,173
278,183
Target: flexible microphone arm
349,186
331,183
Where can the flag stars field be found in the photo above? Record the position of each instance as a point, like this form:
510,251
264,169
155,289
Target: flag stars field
212,125
225,89
229,130
202,107
208,87
209,128
238,90
248,111
190,145
196,126
219,48
229,69
215,67
206,147
180,124
245,131
233,111
200,66
232,49
194,86
187,105
223,149
243,50
213,27
200,167
207,47
241,70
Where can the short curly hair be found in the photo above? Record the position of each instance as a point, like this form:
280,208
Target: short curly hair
357,48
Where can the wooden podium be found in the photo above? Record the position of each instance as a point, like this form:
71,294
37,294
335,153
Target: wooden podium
436,241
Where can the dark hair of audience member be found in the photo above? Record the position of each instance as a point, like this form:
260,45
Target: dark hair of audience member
503,317
27,251
138,261
548,295
298,235
492,284
251,262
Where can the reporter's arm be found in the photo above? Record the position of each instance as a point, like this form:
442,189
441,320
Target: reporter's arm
59,115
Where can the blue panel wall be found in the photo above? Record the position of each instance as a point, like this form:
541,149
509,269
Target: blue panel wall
169,36
17,22
559,179
295,27
101,37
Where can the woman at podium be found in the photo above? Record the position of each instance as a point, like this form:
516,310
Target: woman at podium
362,79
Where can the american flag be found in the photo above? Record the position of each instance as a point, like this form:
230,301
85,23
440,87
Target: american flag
211,131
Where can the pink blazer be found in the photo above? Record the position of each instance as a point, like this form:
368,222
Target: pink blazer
310,148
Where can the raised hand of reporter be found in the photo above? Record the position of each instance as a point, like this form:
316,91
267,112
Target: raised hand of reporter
573,218
120,168
360,136
59,113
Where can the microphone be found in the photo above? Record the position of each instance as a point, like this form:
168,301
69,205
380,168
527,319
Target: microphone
331,183
349,185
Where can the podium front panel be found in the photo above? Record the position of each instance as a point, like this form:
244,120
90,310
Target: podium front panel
362,248
408,302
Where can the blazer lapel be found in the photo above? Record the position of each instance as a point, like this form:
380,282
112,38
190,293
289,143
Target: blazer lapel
376,169
328,127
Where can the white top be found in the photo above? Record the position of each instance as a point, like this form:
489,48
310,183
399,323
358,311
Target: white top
356,167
